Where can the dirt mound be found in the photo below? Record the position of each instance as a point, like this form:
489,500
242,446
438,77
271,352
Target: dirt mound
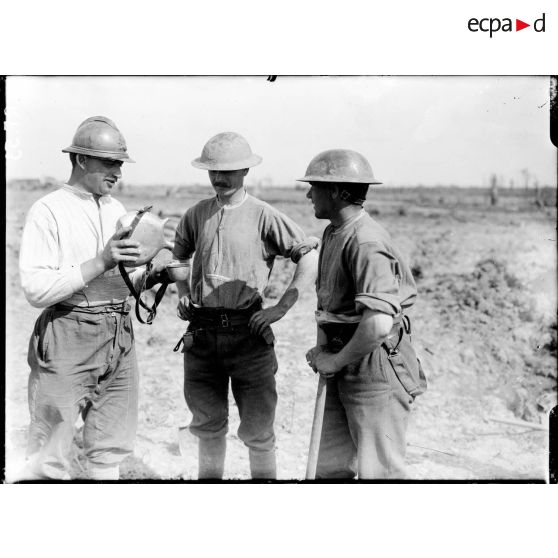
512,346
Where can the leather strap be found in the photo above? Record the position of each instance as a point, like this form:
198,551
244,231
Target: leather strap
152,311
404,327
141,212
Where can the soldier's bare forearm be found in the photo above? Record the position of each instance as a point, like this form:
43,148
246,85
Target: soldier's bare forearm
93,268
370,334
304,276
183,288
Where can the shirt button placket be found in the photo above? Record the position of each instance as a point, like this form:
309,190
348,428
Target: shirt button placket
220,252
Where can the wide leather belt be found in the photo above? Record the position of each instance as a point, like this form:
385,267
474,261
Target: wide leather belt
222,317
339,334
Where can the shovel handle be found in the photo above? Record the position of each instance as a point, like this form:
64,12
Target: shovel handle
316,429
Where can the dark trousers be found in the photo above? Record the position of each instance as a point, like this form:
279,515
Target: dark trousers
365,418
82,361
250,363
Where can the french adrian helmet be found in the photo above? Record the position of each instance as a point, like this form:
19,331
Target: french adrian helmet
99,137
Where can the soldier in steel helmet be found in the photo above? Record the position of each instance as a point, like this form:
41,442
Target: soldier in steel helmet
235,239
81,351
363,348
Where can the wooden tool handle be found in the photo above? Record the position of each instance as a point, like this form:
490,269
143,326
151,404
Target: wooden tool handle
316,429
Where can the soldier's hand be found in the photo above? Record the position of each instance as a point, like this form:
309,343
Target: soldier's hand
325,364
183,309
311,356
119,249
264,318
158,274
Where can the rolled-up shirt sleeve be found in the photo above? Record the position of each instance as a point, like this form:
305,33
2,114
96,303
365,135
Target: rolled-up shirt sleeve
43,280
375,275
283,237
184,241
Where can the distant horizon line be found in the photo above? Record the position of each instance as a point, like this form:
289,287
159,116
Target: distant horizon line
48,181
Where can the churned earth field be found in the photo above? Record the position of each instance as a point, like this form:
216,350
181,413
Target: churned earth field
484,327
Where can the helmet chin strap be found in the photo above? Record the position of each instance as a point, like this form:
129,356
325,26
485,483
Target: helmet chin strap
152,311
345,195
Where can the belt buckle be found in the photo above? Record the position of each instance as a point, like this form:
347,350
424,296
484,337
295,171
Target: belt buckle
224,320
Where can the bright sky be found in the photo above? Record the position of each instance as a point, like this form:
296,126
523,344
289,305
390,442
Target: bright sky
413,130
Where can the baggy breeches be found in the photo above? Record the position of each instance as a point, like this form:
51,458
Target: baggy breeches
365,419
250,363
82,361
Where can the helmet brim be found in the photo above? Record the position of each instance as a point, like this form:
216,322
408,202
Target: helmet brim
251,161
112,155
339,179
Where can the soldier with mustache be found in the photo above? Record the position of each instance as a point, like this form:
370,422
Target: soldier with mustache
234,239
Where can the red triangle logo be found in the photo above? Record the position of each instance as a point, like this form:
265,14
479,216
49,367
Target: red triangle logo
519,25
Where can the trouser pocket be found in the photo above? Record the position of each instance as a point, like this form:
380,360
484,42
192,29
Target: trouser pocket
407,367
42,334
186,341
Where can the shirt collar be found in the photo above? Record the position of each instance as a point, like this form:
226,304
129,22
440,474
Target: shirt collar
84,194
228,207
348,222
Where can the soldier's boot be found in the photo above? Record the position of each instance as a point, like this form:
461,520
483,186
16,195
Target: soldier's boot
211,458
263,464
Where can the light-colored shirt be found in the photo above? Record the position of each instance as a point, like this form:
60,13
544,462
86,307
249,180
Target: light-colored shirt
63,230
235,248
360,267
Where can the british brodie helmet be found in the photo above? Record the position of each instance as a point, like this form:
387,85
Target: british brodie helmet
340,165
226,151
99,137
